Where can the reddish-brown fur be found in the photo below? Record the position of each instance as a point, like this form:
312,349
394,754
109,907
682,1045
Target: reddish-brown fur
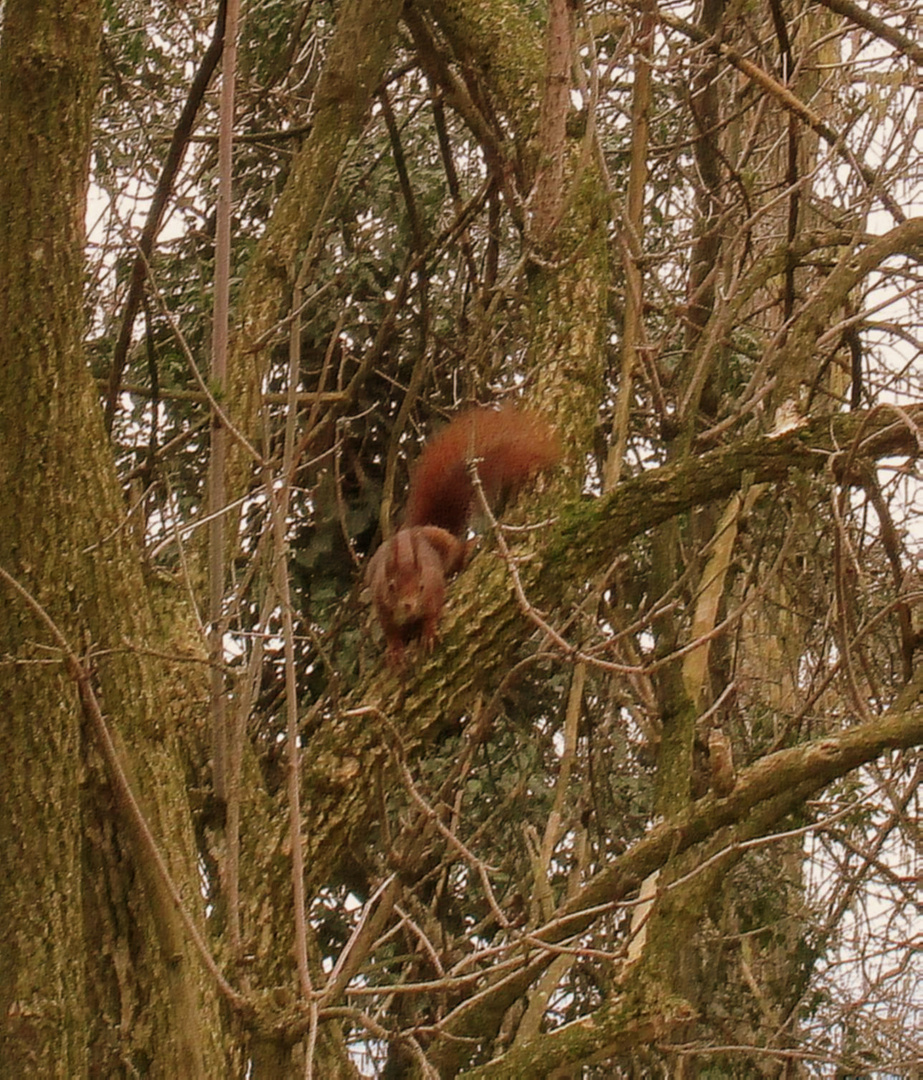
510,446
408,574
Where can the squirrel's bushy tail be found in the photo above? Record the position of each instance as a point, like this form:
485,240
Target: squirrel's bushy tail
510,446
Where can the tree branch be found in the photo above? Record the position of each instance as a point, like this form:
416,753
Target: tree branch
772,787
599,528
127,799
178,144
878,27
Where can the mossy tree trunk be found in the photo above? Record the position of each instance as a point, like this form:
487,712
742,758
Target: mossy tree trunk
98,975
528,850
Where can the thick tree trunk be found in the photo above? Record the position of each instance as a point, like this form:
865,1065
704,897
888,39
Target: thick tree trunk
96,974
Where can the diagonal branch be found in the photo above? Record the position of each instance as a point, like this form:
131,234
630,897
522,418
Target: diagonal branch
765,793
597,529
878,27
180,140
835,140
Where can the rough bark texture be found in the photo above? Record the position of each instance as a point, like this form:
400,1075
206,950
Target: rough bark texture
95,967
361,48
512,862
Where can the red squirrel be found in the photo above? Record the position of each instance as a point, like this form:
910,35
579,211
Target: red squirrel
407,575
